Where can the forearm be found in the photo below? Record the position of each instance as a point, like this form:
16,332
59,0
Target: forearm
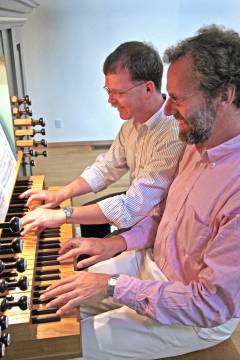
172,302
77,187
142,235
88,214
116,244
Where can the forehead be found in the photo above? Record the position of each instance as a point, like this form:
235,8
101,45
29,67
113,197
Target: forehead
180,77
115,80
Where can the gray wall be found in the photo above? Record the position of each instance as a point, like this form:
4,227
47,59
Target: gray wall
66,42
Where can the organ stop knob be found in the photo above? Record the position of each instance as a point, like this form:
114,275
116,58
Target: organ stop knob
22,303
14,224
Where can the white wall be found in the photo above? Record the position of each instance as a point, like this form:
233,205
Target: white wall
66,42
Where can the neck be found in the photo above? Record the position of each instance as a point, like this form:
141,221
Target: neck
152,106
226,127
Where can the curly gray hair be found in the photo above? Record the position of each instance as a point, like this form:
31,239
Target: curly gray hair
215,52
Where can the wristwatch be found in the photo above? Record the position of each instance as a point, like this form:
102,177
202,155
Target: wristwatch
68,213
111,284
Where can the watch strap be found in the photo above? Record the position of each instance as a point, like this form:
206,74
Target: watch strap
112,280
68,213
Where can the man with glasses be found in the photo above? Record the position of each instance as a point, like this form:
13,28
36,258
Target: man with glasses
147,146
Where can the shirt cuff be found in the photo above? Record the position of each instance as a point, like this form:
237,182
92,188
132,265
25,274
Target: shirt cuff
90,177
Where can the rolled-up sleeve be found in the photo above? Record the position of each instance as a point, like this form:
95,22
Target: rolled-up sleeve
151,185
108,167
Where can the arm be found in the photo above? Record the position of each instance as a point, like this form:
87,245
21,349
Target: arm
107,168
207,301
139,237
153,177
54,198
86,287
40,218
110,166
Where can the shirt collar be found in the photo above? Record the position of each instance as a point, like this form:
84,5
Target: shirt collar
153,120
222,150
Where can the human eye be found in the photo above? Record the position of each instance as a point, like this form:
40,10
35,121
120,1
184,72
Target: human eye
173,98
176,100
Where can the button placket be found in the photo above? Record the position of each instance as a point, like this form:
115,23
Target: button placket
140,143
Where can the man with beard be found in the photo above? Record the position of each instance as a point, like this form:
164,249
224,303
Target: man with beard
147,146
175,287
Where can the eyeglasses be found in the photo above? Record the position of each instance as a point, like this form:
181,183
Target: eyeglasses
121,92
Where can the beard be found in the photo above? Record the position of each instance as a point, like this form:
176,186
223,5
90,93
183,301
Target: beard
200,125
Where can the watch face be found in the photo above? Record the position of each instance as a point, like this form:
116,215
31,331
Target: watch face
68,212
111,284
112,281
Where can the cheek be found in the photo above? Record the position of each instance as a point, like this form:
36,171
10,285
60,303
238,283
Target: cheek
185,112
168,109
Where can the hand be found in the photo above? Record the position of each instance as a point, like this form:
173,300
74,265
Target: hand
97,249
81,288
40,219
51,198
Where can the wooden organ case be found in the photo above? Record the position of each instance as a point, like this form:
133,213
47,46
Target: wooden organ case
29,264
34,333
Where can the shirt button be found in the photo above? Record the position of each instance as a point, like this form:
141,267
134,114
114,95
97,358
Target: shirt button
212,165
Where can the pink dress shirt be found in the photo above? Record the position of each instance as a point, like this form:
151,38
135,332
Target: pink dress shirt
197,245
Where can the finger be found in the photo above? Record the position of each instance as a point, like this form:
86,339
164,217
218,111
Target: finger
69,245
65,299
66,247
70,254
57,302
33,206
28,193
69,307
53,292
31,226
61,282
36,196
27,219
87,262
47,206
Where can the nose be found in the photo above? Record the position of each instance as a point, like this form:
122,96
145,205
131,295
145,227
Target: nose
170,108
111,99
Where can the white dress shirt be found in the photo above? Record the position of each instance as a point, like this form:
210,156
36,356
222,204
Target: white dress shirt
150,153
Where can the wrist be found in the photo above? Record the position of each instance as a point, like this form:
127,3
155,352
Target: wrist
116,243
62,195
111,283
68,212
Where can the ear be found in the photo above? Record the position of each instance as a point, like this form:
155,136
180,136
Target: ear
228,96
150,87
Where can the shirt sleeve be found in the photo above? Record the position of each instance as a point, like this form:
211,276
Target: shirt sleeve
151,185
108,167
143,234
207,301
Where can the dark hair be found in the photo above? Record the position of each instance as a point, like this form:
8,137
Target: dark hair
141,60
215,52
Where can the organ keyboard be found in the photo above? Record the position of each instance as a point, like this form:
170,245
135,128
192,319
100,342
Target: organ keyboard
37,333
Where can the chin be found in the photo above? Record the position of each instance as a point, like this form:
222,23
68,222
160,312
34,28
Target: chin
124,116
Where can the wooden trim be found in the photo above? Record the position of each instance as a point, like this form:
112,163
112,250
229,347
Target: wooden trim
79,143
